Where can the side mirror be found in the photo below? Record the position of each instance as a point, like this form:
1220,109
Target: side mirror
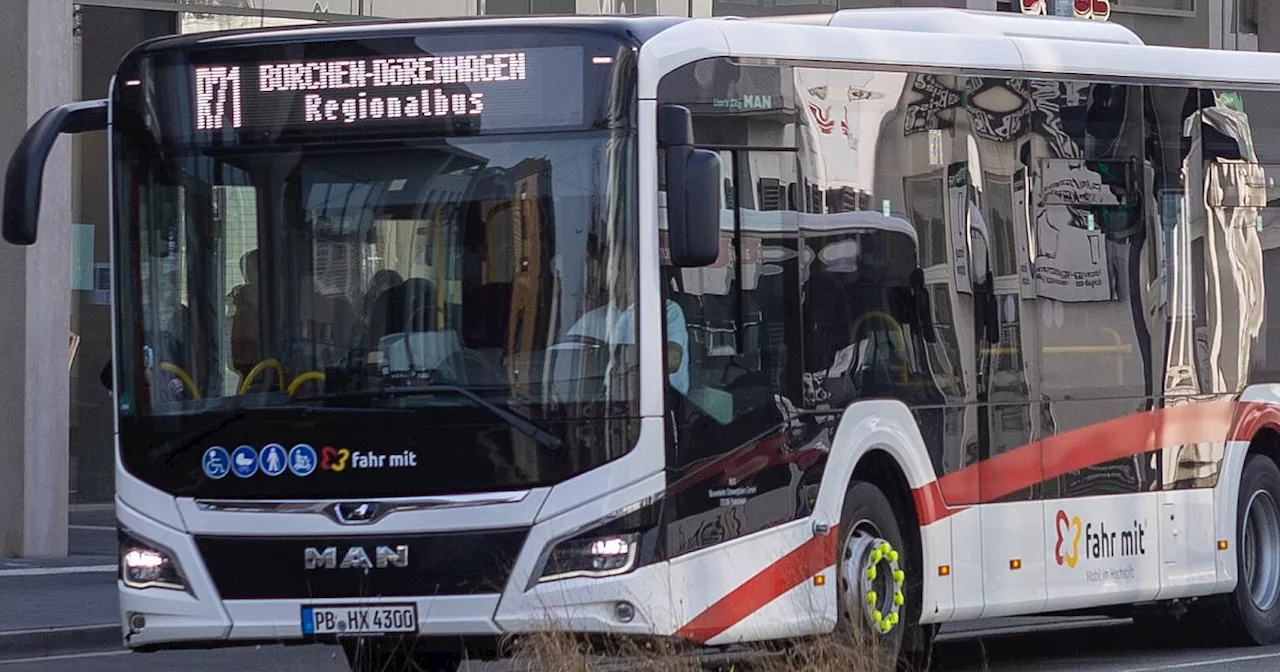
693,191
25,175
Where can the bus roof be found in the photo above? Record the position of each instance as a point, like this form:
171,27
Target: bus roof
1009,45
966,21
971,41
637,29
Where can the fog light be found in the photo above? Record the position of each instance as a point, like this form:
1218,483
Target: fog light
596,557
144,564
624,612
137,622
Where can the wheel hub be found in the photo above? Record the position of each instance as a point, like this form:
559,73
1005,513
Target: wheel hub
1260,546
873,581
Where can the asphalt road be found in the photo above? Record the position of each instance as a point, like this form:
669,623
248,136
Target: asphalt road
1114,647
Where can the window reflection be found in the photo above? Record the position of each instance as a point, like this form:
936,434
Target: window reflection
479,262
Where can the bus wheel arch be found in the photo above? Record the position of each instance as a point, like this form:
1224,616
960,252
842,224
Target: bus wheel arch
1257,548
1266,442
877,475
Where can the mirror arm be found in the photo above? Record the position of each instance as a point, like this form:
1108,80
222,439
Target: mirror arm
25,174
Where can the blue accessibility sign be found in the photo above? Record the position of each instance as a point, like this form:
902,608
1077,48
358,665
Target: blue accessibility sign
216,462
273,460
302,460
244,461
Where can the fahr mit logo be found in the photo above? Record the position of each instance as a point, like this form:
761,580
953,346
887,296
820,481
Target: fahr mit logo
1099,542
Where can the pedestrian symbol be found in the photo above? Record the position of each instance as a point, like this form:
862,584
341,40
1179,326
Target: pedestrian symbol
273,459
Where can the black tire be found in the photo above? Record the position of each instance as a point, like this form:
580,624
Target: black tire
866,508
1239,618
367,654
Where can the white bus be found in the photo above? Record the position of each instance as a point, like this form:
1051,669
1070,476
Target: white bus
720,330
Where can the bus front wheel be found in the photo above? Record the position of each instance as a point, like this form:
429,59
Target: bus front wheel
872,579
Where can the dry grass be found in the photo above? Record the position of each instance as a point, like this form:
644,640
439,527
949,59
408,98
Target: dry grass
564,652
552,651
826,653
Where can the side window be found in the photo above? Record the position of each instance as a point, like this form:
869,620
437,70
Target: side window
870,242
736,317
1237,134
884,259
1087,170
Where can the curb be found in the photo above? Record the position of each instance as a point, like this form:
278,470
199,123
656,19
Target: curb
58,641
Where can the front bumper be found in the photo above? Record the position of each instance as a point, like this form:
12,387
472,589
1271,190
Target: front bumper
244,589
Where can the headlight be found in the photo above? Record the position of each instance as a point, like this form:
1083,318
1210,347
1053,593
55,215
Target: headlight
593,556
615,544
145,564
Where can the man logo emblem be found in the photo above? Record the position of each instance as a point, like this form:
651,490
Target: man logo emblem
356,557
355,512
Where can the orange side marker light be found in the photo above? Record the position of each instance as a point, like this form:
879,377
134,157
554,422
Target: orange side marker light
944,570
1222,544
1015,564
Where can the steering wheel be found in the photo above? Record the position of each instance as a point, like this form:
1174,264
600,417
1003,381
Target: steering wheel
262,366
187,382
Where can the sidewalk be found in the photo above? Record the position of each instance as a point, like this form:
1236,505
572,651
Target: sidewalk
63,605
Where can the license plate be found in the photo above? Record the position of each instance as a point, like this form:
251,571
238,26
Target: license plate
341,619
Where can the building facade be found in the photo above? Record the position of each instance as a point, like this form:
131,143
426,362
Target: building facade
56,427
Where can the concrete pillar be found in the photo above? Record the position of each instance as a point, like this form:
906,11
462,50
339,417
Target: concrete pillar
1269,26
36,67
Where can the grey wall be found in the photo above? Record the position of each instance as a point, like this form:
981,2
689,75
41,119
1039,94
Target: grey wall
35,287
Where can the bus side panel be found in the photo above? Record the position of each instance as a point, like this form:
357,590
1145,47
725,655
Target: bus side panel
762,585
966,573
757,587
1102,550
1013,558
889,426
1189,559
1226,500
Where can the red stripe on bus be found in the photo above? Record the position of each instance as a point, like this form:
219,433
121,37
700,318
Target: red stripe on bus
1070,451
1001,475
793,569
931,506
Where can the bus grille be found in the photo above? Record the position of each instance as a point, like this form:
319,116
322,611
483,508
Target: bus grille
452,563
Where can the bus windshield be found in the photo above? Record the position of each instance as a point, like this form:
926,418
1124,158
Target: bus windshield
478,271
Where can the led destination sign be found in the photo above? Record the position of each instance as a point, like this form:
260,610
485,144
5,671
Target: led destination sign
531,88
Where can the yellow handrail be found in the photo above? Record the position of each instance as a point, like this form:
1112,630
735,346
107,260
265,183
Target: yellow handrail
253,373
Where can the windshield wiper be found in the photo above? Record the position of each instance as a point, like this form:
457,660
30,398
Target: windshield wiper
192,437
525,425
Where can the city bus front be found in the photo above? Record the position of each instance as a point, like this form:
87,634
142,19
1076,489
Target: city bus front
378,365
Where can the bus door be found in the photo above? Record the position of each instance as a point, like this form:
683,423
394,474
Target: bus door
1011,521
